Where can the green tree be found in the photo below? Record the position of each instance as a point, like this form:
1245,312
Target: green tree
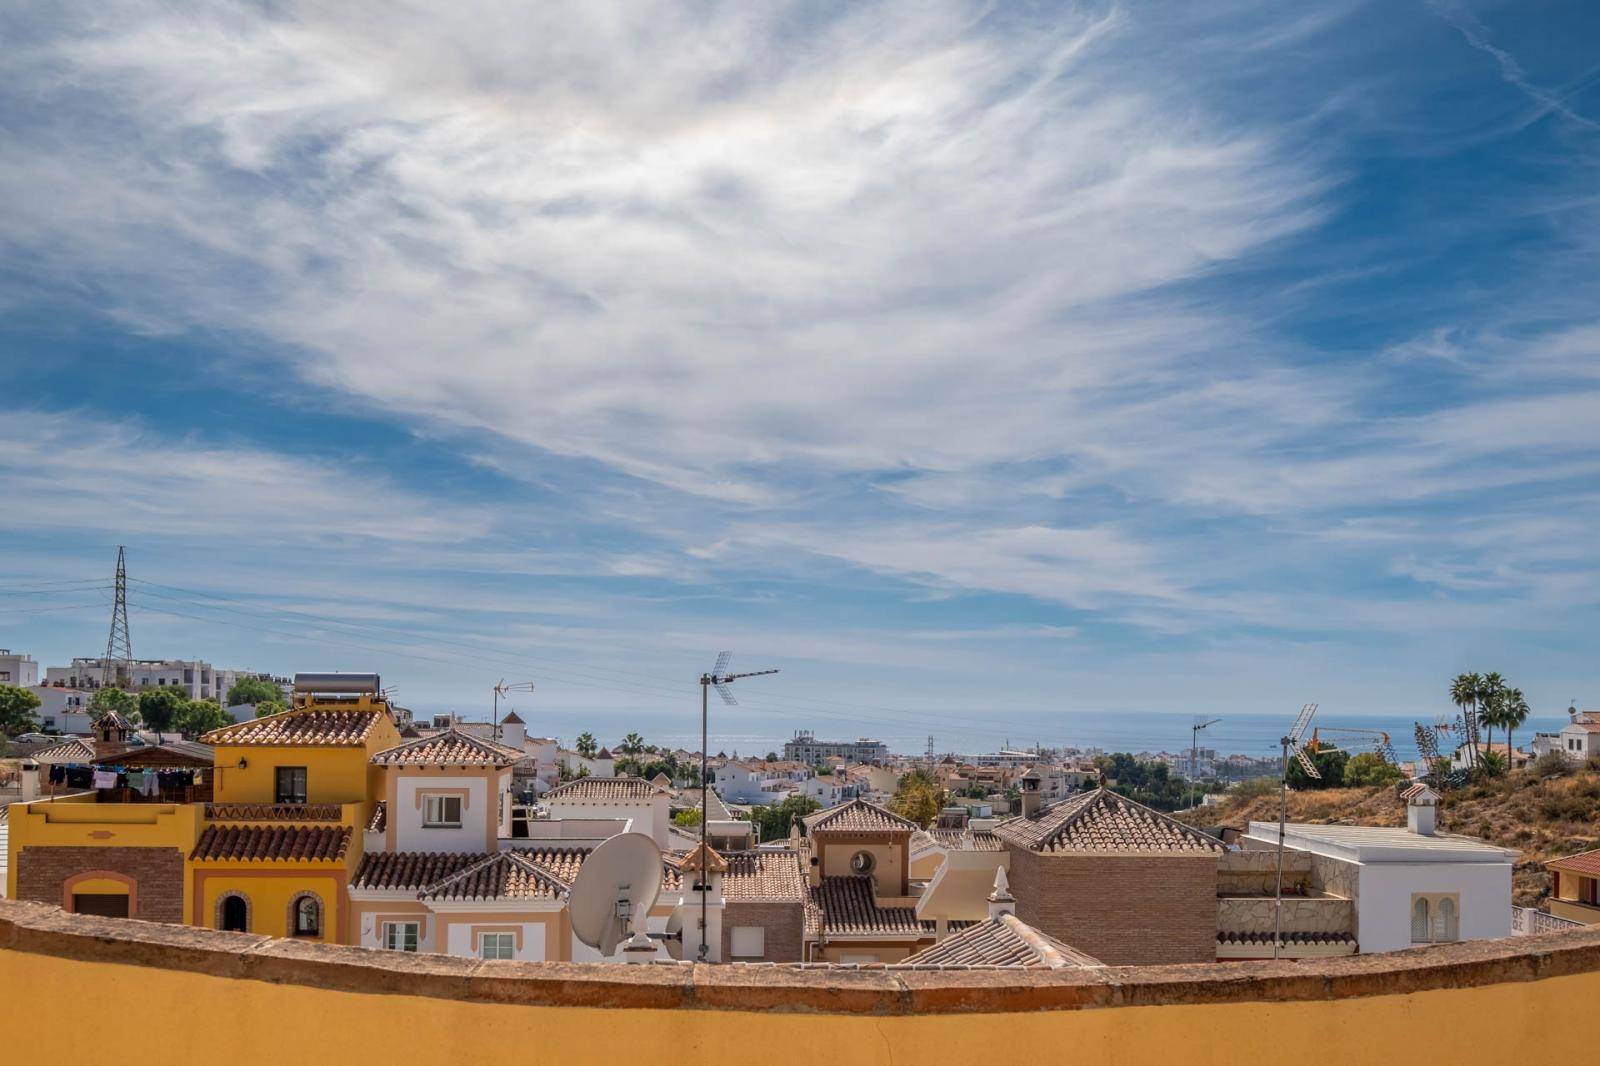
1464,694
253,690
160,708
17,705
1491,702
586,745
686,819
1330,763
202,716
917,797
270,707
774,820
632,744
1493,764
772,756
112,699
1369,769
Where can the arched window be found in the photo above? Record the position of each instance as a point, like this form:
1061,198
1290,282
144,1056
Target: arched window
1419,921
1449,927
305,916
233,913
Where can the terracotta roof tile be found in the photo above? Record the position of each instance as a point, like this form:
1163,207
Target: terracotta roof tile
418,870
301,728
766,875
848,908
262,843
1102,821
1289,938
601,789
1584,862
449,748
380,817
77,749
966,839
859,816
1003,941
506,875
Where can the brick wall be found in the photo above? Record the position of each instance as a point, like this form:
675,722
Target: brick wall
783,921
1125,910
158,873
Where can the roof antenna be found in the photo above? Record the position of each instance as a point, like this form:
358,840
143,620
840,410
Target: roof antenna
718,679
501,689
1289,742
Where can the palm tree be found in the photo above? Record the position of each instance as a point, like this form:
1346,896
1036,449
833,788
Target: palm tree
1491,694
1464,694
632,744
1514,711
586,745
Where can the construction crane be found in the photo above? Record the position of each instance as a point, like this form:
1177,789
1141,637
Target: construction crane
1291,745
1377,738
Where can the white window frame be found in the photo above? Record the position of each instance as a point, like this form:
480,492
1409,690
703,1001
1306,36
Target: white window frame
503,942
396,936
436,811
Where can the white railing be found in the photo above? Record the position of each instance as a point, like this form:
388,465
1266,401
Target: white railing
1525,921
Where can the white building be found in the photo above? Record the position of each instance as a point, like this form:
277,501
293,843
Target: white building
806,748
1579,739
63,710
1409,886
740,782
198,679
630,799
18,668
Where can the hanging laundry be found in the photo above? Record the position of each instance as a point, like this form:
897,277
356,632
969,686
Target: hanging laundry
105,779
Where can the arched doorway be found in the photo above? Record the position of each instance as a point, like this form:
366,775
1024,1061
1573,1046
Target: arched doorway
235,914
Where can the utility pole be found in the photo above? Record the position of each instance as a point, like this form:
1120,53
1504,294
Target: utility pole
119,649
1194,751
720,681
502,689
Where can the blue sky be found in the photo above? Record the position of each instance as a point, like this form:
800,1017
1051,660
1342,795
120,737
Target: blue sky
962,360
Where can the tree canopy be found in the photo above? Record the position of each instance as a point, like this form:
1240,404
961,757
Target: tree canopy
775,819
918,798
112,699
160,708
586,745
202,716
17,705
1368,769
254,690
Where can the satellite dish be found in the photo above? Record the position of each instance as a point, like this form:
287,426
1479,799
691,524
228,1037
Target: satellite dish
674,935
614,891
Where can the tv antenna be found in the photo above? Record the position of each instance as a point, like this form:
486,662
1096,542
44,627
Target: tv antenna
1375,737
119,649
502,689
718,679
1290,742
612,895
1194,753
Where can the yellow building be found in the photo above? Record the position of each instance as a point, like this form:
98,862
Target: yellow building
1575,887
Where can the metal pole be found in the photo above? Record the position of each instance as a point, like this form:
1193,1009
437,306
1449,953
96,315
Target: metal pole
705,807
1283,816
1194,735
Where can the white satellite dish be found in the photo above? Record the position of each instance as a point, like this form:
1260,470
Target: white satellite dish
674,935
614,891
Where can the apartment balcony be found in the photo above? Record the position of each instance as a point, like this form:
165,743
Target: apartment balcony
1572,911
275,812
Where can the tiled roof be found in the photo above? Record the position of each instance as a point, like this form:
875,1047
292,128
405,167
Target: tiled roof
254,843
1102,821
380,817
601,789
966,839
512,718
417,870
1002,941
449,748
1414,791
766,875
1584,862
76,749
505,875
300,729
859,816
1288,938
849,909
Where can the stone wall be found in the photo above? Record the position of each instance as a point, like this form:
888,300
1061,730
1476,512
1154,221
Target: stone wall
1254,914
1255,873
156,872
1122,909
784,923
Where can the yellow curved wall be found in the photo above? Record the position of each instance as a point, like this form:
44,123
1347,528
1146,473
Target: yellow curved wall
245,1023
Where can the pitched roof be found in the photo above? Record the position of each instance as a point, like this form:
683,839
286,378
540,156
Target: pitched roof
254,843
764,875
504,875
605,788
966,839
1102,821
1002,941
701,855
1584,862
1417,790
859,816
603,753
448,748
417,870
300,729
76,749
512,718
848,908
380,817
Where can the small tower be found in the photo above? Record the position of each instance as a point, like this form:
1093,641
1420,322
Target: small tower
1001,900
1032,795
111,729
1422,804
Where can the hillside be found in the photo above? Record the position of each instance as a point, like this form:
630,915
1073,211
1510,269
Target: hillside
1542,817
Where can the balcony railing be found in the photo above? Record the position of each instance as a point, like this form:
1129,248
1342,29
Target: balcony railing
1525,921
274,812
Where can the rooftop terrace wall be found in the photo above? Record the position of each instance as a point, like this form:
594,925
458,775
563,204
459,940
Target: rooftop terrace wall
246,1000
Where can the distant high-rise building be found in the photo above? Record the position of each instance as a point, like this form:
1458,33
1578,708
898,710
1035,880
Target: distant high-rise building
806,748
197,678
18,668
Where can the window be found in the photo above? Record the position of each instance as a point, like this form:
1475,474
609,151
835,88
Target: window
307,916
496,946
291,785
861,862
1435,919
441,812
401,936
749,942
235,914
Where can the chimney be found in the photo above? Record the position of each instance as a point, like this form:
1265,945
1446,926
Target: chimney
1000,900
1032,798
1421,809
28,780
